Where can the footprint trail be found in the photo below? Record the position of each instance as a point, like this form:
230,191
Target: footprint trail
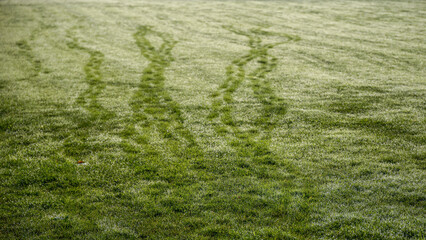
156,116
252,145
79,144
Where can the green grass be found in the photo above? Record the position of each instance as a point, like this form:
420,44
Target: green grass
212,119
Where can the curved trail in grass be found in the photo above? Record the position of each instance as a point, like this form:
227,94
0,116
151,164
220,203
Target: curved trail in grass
252,144
27,51
78,144
271,105
89,98
157,142
235,74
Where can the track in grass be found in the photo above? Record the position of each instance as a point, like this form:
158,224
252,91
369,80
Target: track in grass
271,104
89,98
156,115
252,144
27,51
78,144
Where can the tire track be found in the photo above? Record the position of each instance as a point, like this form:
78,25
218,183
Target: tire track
27,51
79,144
253,145
154,113
89,98
271,105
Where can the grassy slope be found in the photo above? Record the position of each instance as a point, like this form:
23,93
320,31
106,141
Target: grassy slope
212,119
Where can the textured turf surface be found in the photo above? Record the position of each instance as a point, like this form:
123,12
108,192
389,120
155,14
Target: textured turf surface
212,119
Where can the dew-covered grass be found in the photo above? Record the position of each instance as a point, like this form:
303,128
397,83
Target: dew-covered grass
212,119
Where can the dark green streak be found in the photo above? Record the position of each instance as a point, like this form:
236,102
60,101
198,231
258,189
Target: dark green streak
77,145
249,147
154,112
28,53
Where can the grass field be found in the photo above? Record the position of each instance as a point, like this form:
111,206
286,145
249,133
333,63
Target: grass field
212,119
